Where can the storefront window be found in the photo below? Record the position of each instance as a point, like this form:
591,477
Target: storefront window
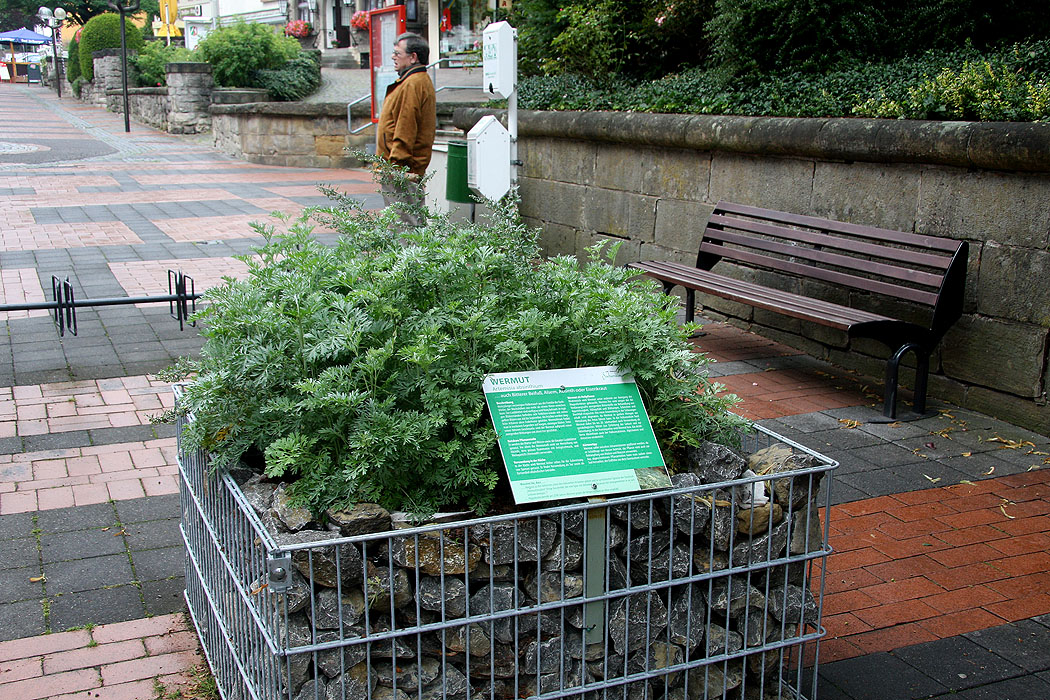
462,22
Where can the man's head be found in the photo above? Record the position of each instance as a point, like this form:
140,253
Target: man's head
410,50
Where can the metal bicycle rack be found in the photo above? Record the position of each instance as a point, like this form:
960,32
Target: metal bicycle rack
181,299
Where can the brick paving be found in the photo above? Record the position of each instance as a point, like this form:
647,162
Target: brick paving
938,586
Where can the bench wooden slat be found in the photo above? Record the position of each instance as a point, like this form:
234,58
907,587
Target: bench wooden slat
882,234
811,272
718,223
926,279
807,308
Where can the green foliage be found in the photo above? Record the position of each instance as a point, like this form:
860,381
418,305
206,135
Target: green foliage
357,369
78,86
296,79
630,37
1007,84
152,59
236,52
73,61
103,32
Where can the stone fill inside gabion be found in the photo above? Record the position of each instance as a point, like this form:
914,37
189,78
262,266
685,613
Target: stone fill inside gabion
701,594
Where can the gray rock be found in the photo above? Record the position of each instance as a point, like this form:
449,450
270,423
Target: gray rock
807,535
383,693
339,661
381,593
258,493
329,609
452,685
770,545
688,615
790,491
706,560
362,519
552,586
658,655
792,604
639,515
546,656
450,597
410,676
644,547
714,680
722,525
714,463
293,518
722,641
733,595
435,555
690,512
348,688
321,563
757,628
313,689
523,540
565,555
472,639
295,631
635,620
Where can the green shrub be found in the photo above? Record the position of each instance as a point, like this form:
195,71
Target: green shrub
236,52
73,61
153,58
356,369
103,32
78,85
1010,83
296,79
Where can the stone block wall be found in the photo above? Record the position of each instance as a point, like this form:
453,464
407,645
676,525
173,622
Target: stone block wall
649,181
287,133
190,87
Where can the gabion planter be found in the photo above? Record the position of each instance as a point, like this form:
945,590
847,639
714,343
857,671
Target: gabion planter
702,591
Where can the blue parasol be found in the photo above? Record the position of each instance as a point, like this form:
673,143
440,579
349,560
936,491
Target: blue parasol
24,36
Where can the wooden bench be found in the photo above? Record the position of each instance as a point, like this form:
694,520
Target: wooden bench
902,289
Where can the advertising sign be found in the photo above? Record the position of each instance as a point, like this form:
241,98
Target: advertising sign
384,26
571,433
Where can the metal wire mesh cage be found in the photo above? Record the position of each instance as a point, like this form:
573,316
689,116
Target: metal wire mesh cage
707,590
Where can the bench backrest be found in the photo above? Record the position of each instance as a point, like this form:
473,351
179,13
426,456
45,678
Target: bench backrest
921,269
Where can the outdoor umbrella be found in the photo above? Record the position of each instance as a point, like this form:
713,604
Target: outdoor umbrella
22,36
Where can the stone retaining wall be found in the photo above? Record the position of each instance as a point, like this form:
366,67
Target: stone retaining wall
651,180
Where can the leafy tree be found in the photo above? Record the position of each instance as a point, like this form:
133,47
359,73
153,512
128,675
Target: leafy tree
73,61
22,13
103,32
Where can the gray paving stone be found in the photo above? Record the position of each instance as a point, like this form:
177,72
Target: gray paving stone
68,546
22,619
1022,688
158,564
99,606
54,441
16,525
16,584
958,663
131,433
20,552
153,535
90,517
880,677
138,510
1025,643
87,574
164,597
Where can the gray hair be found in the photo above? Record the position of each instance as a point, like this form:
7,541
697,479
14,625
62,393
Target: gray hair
415,44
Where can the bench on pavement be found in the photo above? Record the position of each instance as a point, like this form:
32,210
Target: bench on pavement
887,279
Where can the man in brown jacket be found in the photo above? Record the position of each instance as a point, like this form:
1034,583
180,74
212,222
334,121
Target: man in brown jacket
405,134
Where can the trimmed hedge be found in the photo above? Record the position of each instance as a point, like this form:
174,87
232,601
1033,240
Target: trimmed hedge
103,32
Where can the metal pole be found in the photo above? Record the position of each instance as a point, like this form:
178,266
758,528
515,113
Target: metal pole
54,54
124,70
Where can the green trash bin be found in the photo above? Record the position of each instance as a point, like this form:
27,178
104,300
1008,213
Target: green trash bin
456,189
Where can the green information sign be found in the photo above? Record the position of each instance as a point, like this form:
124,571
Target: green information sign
570,433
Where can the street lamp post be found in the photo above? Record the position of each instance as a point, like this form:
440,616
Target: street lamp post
54,19
125,7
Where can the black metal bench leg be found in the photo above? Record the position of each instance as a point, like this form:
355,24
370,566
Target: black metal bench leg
690,305
922,373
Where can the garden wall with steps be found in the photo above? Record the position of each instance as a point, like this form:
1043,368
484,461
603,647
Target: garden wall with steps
649,181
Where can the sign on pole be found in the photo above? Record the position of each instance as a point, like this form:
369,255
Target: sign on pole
570,433
384,26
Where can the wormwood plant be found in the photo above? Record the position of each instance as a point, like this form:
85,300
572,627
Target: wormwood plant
356,369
